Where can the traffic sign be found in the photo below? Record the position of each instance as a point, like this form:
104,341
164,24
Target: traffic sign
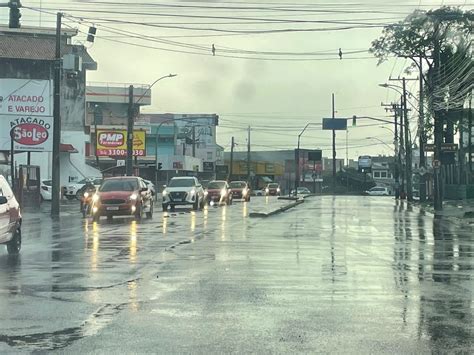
436,164
336,124
445,147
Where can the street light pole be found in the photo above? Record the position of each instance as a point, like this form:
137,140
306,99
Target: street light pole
297,157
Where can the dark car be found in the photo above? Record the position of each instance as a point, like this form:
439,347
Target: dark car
272,189
10,218
218,191
240,190
122,196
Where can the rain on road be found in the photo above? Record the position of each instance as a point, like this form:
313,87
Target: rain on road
335,274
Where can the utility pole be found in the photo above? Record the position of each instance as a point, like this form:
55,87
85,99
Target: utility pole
422,140
131,113
438,128
248,155
401,151
407,144
56,173
398,160
232,143
333,149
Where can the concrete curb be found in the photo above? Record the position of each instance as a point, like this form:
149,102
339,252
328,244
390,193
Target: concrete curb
279,210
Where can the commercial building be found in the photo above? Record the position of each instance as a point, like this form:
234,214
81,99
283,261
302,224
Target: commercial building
27,62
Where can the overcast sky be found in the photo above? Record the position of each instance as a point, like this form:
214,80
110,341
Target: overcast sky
276,97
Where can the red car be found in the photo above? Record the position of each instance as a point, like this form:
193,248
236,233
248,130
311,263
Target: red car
218,191
272,189
10,218
122,196
240,190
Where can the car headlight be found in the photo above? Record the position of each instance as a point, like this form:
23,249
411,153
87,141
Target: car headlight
133,197
278,190
244,192
95,198
164,193
206,193
223,192
86,194
193,191
267,190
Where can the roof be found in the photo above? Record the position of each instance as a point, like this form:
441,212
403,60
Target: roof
29,46
67,148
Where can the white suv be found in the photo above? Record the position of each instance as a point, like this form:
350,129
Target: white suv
182,191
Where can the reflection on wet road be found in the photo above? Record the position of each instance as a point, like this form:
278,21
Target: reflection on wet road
361,273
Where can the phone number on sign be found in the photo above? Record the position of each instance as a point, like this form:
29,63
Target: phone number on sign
119,152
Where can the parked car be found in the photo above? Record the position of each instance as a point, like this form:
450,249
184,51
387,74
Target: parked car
378,191
240,190
301,191
71,191
122,196
10,218
218,191
182,191
272,189
256,193
46,190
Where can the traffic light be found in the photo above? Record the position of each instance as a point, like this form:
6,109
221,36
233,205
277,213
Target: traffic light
160,166
354,120
15,14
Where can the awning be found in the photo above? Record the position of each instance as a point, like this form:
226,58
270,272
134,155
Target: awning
67,148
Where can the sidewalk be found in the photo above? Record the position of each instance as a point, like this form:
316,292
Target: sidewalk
462,209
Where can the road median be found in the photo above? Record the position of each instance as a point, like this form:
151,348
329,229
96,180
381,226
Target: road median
277,210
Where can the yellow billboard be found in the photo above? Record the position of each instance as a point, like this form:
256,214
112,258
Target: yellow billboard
113,142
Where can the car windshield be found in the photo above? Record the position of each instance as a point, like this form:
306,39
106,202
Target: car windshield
216,185
273,186
48,182
237,184
119,185
181,183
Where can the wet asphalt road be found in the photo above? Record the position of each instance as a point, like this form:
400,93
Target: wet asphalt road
343,274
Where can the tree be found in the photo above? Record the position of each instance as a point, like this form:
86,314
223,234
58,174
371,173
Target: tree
416,38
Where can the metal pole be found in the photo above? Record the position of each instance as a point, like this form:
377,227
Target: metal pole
408,155
402,151
248,155
129,161
297,164
12,160
56,172
470,134
397,155
97,161
438,127
421,127
231,158
194,141
333,149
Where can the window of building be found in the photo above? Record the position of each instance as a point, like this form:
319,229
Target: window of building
383,174
209,156
376,174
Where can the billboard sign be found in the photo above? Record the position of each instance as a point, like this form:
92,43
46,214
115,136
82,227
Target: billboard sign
26,110
25,97
113,142
315,155
29,133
